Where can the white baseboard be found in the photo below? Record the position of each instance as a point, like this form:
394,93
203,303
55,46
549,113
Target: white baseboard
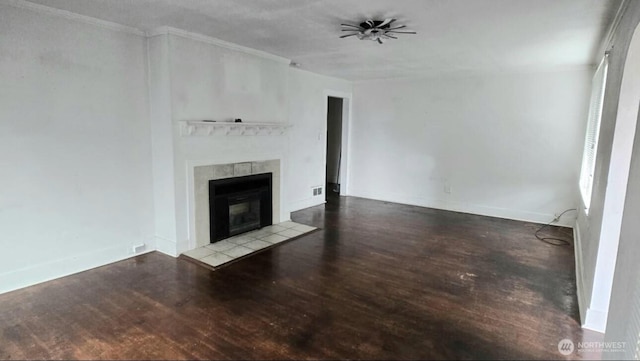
48,271
166,246
582,299
591,319
464,207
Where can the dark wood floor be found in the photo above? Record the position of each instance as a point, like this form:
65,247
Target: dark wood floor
379,281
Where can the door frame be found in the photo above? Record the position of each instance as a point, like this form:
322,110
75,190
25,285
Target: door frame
347,106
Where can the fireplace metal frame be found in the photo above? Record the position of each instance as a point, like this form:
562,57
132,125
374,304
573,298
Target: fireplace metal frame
221,190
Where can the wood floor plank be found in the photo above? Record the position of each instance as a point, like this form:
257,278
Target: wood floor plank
377,281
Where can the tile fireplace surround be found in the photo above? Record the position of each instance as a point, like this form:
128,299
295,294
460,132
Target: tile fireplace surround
203,174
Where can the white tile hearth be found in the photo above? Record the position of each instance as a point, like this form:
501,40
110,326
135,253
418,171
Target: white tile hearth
267,231
221,246
219,253
257,244
216,259
288,224
238,251
199,253
241,239
275,238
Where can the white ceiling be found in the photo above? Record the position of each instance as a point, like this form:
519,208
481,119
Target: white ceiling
453,35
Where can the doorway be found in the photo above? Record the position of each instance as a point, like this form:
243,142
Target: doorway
334,146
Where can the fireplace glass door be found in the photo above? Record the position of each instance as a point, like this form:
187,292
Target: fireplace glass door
244,213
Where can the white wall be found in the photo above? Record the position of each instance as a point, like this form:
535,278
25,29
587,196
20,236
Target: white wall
217,83
505,145
92,159
163,162
203,78
307,95
623,316
599,231
74,146
213,82
193,77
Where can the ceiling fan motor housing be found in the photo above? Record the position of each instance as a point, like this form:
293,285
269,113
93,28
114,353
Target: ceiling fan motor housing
375,24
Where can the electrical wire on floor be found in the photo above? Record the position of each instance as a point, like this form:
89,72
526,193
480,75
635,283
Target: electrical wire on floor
553,240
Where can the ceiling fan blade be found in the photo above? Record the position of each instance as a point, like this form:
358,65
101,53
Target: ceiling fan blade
386,22
389,36
353,26
399,27
379,41
348,35
402,32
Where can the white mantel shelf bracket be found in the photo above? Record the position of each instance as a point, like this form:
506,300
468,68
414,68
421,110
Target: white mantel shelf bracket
194,128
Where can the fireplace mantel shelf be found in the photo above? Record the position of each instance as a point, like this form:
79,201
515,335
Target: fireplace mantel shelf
190,128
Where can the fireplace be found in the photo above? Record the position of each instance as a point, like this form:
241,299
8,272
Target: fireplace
238,205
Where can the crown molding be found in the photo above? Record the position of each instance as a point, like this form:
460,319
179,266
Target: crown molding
167,30
22,4
164,30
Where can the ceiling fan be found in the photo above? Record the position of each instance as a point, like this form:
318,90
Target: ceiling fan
375,30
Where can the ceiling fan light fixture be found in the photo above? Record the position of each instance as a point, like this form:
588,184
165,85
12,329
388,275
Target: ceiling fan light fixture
374,30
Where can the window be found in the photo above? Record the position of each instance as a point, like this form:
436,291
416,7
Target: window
593,131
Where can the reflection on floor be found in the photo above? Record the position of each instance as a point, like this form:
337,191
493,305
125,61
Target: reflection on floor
219,253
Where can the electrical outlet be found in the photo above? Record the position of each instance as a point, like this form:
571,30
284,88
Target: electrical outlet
317,191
